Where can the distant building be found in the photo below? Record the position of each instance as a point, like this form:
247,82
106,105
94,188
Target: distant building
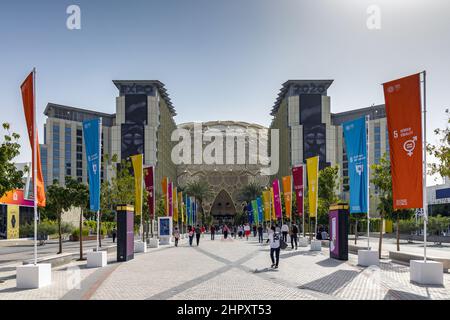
143,123
438,198
302,114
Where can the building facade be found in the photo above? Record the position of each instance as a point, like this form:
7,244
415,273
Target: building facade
307,127
143,123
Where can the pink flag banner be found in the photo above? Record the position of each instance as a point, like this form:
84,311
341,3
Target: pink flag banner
277,198
297,173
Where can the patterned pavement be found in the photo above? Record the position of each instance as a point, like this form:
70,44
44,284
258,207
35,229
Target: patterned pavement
230,270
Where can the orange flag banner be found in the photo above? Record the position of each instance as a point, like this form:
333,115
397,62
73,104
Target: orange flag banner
165,186
27,89
287,193
404,120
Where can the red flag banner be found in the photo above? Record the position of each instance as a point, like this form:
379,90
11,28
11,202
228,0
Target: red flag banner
404,120
149,186
297,174
27,89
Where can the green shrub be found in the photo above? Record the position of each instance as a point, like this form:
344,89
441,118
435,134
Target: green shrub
76,232
407,226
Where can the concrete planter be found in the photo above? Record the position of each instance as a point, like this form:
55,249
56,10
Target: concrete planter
97,259
34,276
426,273
368,258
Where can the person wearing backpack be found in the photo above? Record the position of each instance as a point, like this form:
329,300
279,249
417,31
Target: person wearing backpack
294,236
275,245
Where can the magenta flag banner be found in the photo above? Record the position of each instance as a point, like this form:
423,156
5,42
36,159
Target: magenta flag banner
297,173
149,186
277,198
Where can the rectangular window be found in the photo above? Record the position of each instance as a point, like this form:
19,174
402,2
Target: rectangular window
377,143
68,149
56,153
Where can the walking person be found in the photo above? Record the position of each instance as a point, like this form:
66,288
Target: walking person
212,230
247,230
240,231
114,235
225,232
191,235
285,231
275,244
233,232
198,233
294,236
260,233
203,230
176,235
254,230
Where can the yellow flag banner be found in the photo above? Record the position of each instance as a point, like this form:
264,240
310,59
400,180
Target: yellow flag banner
312,166
175,205
137,161
287,193
272,200
266,205
164,185
180,203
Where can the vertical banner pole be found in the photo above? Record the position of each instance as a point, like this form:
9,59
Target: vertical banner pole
425,208
292,198
35,164
368,181
141,196
100,169
317,196
154,200
303,197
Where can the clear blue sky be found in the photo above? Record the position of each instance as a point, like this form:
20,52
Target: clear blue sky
220,59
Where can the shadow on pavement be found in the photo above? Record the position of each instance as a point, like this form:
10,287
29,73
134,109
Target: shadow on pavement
401,295
330,263
265,270
331,283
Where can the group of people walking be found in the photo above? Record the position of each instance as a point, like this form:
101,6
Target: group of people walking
277,236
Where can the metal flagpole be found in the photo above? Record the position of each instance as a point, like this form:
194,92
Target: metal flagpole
292,198
303,199
35,166
100,169
154,200
368,182
317,196
425,208
141,196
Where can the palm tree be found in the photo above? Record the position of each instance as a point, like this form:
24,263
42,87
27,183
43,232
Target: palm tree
250,192
201,191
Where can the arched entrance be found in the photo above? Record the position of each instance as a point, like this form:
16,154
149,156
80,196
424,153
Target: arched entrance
223,209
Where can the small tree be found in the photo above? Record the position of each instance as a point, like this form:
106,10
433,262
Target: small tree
201,191
10,177
58,201
442,151
79,196
328,184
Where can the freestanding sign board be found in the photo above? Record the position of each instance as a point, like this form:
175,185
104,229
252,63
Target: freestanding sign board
338,229
164,229
125,232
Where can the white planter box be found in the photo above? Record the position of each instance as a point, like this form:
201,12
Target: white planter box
32,276
97,259
153,243
427,273
368,258
303,242
140,247
165,240
316,245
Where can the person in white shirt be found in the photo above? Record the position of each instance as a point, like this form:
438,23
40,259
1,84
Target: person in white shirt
275,244
285,231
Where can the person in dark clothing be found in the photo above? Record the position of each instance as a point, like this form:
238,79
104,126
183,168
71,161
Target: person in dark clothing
114,235
275,243
294,236
198,233
212,230
254,230
260,233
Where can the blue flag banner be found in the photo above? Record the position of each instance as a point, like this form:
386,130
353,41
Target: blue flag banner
260,209
188,210
92,134
250,213
355,143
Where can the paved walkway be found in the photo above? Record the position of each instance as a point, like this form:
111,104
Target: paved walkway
231,269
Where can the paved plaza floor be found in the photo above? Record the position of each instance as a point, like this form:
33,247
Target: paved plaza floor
228,269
